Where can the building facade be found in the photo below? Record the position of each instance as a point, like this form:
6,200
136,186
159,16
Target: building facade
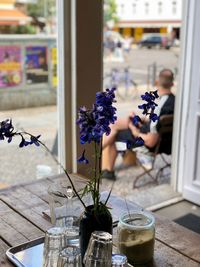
137,17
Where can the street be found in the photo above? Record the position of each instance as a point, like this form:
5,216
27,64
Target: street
139,59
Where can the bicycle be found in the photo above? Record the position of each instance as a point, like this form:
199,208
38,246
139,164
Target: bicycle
126,87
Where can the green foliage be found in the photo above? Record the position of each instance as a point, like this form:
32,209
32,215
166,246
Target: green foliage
44,8
22,29
110,11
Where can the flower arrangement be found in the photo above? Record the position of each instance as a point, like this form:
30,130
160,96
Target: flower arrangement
93,123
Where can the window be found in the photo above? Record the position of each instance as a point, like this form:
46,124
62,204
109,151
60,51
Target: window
146,8
174,7
159,7
134,8
28,87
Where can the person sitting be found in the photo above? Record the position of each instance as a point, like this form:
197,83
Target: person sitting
124,129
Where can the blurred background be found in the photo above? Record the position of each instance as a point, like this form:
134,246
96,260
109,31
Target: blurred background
139,39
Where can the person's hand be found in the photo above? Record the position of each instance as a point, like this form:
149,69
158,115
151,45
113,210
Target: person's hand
131,114
134,130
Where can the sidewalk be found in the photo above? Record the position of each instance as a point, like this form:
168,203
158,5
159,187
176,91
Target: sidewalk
19,165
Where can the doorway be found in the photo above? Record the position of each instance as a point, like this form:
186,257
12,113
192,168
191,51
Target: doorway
123,53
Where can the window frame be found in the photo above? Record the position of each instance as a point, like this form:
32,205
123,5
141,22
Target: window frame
75,45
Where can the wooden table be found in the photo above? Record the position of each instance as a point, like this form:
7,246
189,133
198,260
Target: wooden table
21,220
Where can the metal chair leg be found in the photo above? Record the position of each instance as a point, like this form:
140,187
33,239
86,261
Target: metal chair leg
161,170
148,171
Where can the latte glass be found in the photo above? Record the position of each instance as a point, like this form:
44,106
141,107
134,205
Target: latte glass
136,236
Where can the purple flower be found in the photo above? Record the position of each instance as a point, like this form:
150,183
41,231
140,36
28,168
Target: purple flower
155,93
138,141
148,97
96,122
153,117
144,107
7,132
83,159
129,144
34,140
24,142
136,120
150,105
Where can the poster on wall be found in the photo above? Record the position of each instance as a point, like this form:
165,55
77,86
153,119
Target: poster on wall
36,64
54,66
10,66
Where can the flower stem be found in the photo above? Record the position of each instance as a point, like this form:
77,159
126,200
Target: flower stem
95,174
100,157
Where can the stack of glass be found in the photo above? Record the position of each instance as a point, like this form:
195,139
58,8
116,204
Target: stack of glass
65,211
54,243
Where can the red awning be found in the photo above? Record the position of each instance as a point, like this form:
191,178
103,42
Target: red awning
13,17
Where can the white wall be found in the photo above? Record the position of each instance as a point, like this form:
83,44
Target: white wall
125,10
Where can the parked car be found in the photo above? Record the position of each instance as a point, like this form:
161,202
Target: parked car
155,41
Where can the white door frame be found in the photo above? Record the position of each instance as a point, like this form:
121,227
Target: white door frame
66,91
178,152
180,137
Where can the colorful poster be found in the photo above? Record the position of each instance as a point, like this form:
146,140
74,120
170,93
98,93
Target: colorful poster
36,64
54,66
10,66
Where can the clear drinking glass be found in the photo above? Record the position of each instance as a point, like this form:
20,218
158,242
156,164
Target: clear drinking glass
99,251
72,236
65,208
136,236
54,243
119,260
69,257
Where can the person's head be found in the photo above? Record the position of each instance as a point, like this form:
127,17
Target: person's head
166,79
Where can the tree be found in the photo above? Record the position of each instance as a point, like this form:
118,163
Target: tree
110,11
44,8
43,14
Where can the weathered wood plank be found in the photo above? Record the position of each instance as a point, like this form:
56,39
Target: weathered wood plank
27,204
77,179
178,237
14,228
39,188
4,262
165,256
32,199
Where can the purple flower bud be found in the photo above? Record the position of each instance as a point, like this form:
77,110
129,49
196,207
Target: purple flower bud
82,158
136,120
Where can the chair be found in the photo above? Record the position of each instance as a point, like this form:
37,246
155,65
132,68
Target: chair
163,146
